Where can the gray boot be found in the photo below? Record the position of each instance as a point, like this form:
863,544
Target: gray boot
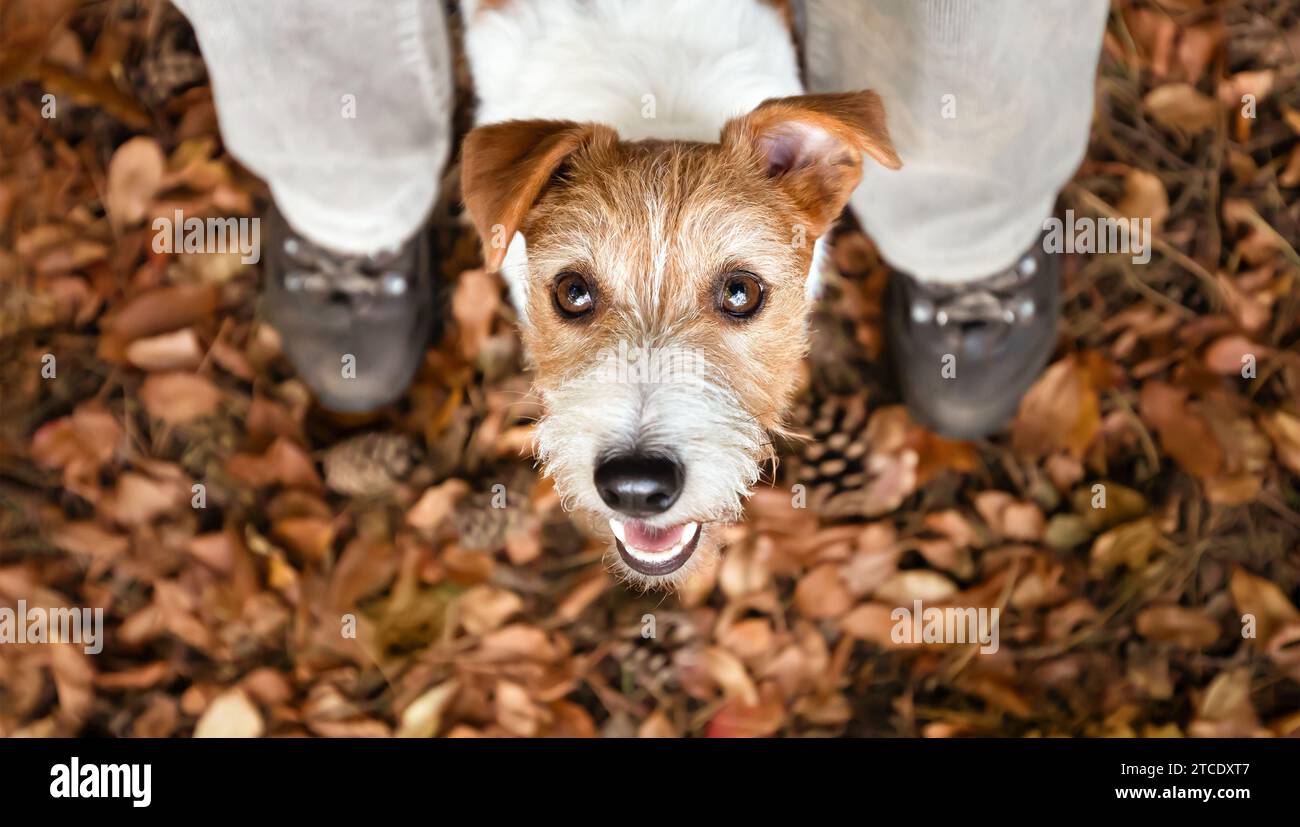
966,354
355,327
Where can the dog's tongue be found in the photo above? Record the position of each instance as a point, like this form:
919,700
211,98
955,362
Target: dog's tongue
647,538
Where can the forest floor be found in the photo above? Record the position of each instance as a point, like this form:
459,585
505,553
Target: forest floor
351,575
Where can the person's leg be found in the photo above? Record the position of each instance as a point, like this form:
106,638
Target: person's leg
989,106
344,108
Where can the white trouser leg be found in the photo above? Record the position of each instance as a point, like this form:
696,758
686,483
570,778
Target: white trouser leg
343,106
989,104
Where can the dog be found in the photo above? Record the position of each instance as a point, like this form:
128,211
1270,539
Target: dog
655,187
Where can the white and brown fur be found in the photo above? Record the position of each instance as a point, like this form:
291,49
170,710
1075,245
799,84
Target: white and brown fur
736,169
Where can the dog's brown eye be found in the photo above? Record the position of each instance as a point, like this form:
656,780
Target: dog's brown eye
742,294
572,295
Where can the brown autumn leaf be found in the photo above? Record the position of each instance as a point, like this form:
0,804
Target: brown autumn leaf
1181,626
516,711
282,463
1248,311
311,537
435,505
79,444
1225,710
1227,355
1060,412
906,587
952,524
230,715
485,608
821,593
161,310
1185,436
1197,46
581,596
474,305
29,30
1180,106
140,499
74,679
1264,601
363,568
77,254
1233,90
1144,197
179,350
1130,544
873,622
1290,174
179,398
874,561
1010,518
1284,430
422,717
657,725
730,674
215,550
134,175
88,540
738,720
518,641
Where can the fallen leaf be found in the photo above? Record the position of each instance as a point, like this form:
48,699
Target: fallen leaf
1263,601
176,351
1180,106
1144,197
821,593
1185,436
134,176
1178,625
422,718
1060,412
230,715
1284,431
1128,545
906,587
1227,355
435,505
282,463
474,305
179,398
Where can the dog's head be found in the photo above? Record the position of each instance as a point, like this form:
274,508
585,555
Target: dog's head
662,292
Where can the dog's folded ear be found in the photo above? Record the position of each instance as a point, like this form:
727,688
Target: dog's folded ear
506,166
812,146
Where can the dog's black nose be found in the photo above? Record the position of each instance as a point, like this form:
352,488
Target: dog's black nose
639,485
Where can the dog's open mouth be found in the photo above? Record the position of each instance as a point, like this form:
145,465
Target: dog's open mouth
655,552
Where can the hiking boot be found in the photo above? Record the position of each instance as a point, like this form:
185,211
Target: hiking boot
965,354
355,327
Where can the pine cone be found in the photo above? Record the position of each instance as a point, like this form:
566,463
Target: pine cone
831,464
173,66
483,520
369,465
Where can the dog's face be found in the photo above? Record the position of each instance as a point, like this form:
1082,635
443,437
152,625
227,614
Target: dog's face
662,292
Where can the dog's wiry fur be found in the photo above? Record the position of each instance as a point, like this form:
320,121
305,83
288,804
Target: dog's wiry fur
655,226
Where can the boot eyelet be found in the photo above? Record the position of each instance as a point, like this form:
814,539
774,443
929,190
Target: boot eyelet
393,284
